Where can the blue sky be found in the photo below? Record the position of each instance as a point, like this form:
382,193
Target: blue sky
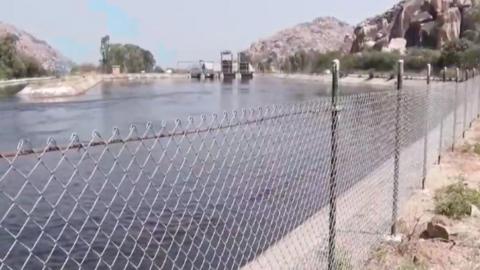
176,30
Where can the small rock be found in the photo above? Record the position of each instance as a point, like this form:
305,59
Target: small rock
397,238
475,212
397,44
435,230
402,227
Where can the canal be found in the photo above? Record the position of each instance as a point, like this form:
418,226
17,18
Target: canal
119,104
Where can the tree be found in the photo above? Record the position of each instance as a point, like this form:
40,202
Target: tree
13,64
131,58
105,52
149,61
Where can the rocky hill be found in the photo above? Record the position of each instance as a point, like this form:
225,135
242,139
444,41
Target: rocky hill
27,44
321,35
413,23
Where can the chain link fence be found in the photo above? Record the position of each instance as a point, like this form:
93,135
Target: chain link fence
307,186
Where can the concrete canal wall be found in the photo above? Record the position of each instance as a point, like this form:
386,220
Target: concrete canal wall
51,87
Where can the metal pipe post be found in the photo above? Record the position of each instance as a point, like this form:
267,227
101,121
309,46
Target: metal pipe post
471,116
333,169
426,128
455,109
465,106
440,147
396,158
478,101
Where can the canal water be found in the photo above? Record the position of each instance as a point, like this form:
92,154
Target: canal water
119,104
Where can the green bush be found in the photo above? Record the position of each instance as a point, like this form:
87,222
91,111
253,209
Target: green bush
476,148
14,64
453,53
374,60
322,62
131,58
84,68
417,59
455,201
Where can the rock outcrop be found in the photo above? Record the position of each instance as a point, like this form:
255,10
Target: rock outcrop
27,44
425,23
321,35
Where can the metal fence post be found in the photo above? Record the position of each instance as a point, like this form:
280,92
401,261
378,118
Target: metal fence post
465,105
333,169
440,147
396,159
455,103
478,101
471,117
425,140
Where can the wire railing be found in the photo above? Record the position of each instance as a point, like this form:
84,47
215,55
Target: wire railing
309,186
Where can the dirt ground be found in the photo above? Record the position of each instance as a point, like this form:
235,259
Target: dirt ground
462,250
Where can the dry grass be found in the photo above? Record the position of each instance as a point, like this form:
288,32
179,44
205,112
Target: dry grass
456,200
448,198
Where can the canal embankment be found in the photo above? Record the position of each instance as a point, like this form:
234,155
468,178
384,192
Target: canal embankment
69,86
52,87
357,78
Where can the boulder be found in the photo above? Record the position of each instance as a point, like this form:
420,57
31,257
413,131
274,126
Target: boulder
429,23
475,212
448,26
436,229
397,45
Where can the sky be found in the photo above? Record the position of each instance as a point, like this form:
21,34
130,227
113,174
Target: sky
175,30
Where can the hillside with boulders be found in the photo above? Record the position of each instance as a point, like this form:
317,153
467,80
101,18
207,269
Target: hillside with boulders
414,23
439,32
319,36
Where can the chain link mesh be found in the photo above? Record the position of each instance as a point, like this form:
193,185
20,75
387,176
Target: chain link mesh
245,189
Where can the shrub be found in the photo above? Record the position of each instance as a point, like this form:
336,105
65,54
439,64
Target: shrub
476,149
84,68
470,57
14,64
323,61
452,53
411,265
343,260
379,61
418,59
455,201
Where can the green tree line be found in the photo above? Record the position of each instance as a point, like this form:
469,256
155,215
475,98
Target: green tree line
129,57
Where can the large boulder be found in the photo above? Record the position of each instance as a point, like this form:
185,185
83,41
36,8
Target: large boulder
396,45
427,23
448,26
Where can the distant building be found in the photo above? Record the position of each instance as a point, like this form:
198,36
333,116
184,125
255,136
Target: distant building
116,70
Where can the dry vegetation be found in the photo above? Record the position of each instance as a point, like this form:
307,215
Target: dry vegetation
450,201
